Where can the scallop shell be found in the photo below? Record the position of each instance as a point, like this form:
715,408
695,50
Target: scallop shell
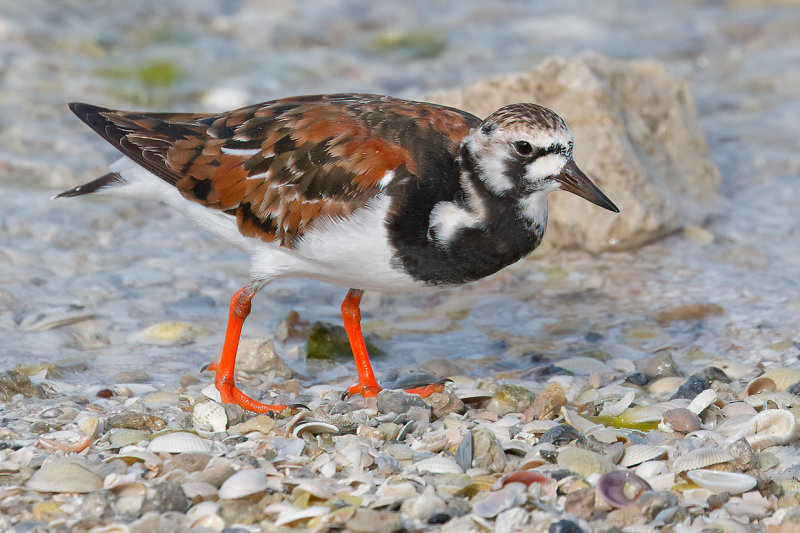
639,453
243,483
209,416
701,458
643,413
718,481
583,462
701,401
179,442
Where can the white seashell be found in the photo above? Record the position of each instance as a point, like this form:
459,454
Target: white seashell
214,522
790,485
179,442
438,464
288,449
616,408
289,515
702,400
500,500
738,409
665,385
644,413
111,528
243,483
314,427
772,427
701,458
64,475
209,416
211,392
649,469
662,482
583,462
538,427
199,490
639,453
135,454
575,420
718,481
472,395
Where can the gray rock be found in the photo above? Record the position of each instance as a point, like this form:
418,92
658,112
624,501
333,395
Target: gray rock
636,136
398,401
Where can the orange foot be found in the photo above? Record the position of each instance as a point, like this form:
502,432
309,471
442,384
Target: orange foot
230,393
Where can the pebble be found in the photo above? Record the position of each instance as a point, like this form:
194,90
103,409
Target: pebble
510,399
548,403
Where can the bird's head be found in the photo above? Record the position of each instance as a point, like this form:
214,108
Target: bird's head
525,150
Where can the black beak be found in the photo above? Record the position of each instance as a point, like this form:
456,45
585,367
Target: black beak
576,182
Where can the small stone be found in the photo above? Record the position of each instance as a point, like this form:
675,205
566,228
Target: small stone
160,398
188,462
327,341
172,333
487,452
14,382
371,521
697,311
132,376
712,373
455,485
398,401
682,420
48,510
258,355
564,526
559,435
510,399
660,365
187,380
548,403
580,502
652,503
135,420
691,388
169,496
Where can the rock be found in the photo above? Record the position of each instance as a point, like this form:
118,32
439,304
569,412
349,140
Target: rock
327,341
398,401
636,136
487,452
134,420
559,435
580,502
660,365
444,403
510,399
261,423
169,333
548,403
15,382
258,355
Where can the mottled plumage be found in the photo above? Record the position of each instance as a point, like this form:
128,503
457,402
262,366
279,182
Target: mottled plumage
365,191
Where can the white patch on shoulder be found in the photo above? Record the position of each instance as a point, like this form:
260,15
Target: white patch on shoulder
352,252
447,219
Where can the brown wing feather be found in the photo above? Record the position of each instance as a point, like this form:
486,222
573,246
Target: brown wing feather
281,165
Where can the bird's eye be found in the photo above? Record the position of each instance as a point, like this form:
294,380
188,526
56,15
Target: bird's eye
523,148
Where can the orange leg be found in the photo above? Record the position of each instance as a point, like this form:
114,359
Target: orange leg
351,314
224,380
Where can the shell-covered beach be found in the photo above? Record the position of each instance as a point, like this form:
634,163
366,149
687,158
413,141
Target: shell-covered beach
637,373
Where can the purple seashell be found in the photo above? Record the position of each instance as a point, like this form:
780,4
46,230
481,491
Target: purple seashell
621,488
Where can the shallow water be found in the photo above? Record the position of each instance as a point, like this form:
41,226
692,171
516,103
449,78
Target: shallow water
79,279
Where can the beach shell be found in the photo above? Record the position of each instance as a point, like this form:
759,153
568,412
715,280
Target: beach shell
314,427
680,420
618,407
209,416
438,464
759,385
738,409
781,399
243,483
718,481
621,487
583,366
772,427
701,458
649,469
575,420
498,501
643,413
135,454
179,442
464,452
639,453
288,515
701,401
64,475
583,462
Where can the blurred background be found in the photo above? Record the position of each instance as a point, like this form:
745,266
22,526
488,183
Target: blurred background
81,280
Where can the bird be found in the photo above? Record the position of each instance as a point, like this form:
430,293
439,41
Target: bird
363,191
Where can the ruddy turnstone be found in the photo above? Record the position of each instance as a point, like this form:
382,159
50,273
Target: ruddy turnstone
364,191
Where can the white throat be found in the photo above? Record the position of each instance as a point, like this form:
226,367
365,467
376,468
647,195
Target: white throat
533,208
